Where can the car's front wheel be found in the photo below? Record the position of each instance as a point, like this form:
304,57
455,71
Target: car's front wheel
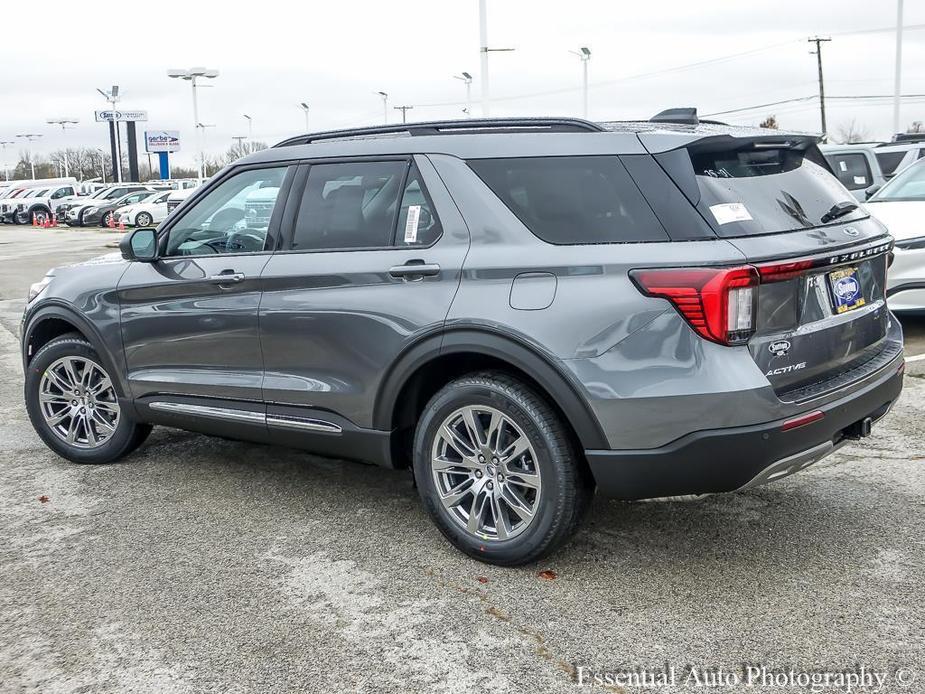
73,404
497,471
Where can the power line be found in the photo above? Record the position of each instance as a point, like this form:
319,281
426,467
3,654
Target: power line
811,97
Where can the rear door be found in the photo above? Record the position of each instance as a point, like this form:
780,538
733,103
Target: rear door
373,259
822,259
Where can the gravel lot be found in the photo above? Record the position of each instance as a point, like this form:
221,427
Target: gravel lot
201,564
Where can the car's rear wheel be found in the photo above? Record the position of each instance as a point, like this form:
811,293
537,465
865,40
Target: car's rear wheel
73,404
497,471
143,220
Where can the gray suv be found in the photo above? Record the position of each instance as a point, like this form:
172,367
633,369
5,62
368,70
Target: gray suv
522,311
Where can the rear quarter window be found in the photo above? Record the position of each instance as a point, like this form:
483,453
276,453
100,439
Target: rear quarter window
572,200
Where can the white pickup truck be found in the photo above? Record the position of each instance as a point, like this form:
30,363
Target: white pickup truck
41,205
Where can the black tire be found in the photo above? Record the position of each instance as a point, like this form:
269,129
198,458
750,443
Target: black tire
104,220
143,220
128,434
566,491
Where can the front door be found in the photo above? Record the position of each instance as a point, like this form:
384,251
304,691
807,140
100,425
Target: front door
189,320
373,262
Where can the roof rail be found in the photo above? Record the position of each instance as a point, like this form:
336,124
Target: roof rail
447,127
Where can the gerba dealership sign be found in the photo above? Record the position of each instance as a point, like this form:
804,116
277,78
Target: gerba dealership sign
162,140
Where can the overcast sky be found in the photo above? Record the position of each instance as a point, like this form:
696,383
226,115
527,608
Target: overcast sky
336,56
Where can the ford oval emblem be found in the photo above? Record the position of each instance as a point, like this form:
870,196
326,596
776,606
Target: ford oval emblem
851,231
779,347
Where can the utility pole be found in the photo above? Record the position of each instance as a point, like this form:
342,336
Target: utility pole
484,50
404,112
240,140
818,53
897,82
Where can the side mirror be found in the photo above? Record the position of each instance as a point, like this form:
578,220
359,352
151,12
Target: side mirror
868,192
140,245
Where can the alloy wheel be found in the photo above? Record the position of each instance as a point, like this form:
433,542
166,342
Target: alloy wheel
78,402
486,473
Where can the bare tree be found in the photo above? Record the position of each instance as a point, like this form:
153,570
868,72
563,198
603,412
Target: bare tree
242,149
770,122
852,132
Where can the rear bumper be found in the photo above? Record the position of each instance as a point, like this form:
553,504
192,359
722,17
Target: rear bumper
724,460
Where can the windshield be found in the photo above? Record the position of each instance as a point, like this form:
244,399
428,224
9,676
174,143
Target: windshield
909,185
750,189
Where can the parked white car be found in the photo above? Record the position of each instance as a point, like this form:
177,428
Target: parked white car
900,204
43,204
148,212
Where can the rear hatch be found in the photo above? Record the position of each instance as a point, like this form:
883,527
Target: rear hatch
820,311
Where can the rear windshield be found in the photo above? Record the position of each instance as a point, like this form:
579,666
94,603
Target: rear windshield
757,190
889,161
572,200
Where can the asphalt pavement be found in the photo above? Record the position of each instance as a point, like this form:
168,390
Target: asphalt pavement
206,565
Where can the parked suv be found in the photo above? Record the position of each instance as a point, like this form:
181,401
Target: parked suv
522,311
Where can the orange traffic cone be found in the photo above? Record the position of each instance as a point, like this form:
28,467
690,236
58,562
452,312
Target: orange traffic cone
33,220
121,225
54,219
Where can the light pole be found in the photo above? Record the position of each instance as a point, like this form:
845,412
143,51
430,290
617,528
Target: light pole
385,107
585,54
112,96
191,76
304,108
898,78
31,137
63,122
239,140
202,138
6,166
484,50
466,79
250,126
102,164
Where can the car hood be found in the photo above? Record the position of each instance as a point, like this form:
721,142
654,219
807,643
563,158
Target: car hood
107,259
904,218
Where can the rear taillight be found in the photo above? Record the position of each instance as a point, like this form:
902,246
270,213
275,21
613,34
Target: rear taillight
719,303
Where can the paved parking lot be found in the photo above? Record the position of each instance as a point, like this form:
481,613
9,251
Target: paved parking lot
201,564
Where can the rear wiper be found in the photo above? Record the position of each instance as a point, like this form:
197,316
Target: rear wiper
839,209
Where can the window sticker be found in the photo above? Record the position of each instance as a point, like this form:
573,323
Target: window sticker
842,165
860,180
730,212
411,224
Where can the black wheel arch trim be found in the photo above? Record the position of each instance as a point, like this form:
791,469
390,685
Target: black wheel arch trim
54,309
491,342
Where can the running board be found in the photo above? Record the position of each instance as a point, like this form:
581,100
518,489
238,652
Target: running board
234,415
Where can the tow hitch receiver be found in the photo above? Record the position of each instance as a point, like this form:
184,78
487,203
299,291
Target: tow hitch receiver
860,429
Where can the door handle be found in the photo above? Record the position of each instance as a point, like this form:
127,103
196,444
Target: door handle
415,268
227,277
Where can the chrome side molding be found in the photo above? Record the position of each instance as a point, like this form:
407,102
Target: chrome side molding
302,423
230,414
210,412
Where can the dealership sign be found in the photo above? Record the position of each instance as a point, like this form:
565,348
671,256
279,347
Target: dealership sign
108,116
162,140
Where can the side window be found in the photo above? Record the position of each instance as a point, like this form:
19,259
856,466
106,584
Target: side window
852,170
417,220
137,197
232,218
349,205
116,193
572,200
890,161
62,192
